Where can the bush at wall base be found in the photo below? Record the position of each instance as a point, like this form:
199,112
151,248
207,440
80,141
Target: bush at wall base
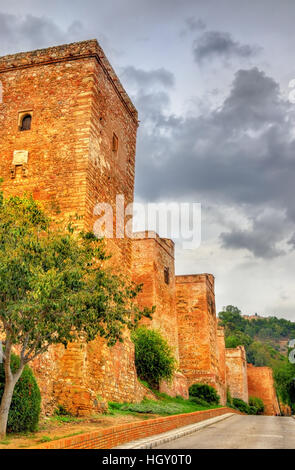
26,401
205,392
258,404
255,406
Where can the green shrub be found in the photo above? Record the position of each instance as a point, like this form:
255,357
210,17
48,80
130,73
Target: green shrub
255,406
45,439
252,410
199,401
154,359
241,405
115,406
258,404
61,411
26,401
205,392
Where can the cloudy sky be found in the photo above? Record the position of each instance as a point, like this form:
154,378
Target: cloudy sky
210,79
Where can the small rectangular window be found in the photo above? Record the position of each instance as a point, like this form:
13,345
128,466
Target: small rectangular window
25,120
115,143
166,275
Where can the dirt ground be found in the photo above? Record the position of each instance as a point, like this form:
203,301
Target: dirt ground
52,428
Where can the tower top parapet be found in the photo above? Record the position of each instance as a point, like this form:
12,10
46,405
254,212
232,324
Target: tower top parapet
63,53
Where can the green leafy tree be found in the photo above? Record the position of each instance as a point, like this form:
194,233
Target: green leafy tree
154,359
237,338
231,319
260,328
54,289
285,383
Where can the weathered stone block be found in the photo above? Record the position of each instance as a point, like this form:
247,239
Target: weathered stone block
177,387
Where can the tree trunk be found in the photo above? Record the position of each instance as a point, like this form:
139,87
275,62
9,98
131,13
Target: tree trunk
5,406
10,382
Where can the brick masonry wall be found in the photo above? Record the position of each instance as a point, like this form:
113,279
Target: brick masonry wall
113,437
197,330
261,385
177,387
236,372
77,104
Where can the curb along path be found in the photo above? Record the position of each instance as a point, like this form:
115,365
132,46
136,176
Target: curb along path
154,441
118,435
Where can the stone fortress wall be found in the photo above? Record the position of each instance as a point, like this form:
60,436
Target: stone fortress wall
80,150
236,372
261,385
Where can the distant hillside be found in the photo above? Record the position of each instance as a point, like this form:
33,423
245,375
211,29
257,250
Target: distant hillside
266,342
272,330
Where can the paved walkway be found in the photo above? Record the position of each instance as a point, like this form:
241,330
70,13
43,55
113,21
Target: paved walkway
240,432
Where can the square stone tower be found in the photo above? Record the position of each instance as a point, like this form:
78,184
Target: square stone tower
68,136
67,131
197,330
153,266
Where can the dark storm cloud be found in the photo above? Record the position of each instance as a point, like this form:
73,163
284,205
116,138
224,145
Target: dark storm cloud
254,101
241,154
291,242
252,241
262,239
213,44
235,150
31,32
146,79
151,92
193,24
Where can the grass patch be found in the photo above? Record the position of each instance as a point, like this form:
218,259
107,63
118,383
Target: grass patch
144,383
45,439
165,406
69,435
64,419
49,439
5,442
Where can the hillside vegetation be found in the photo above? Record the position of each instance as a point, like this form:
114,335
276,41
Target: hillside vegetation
266,343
